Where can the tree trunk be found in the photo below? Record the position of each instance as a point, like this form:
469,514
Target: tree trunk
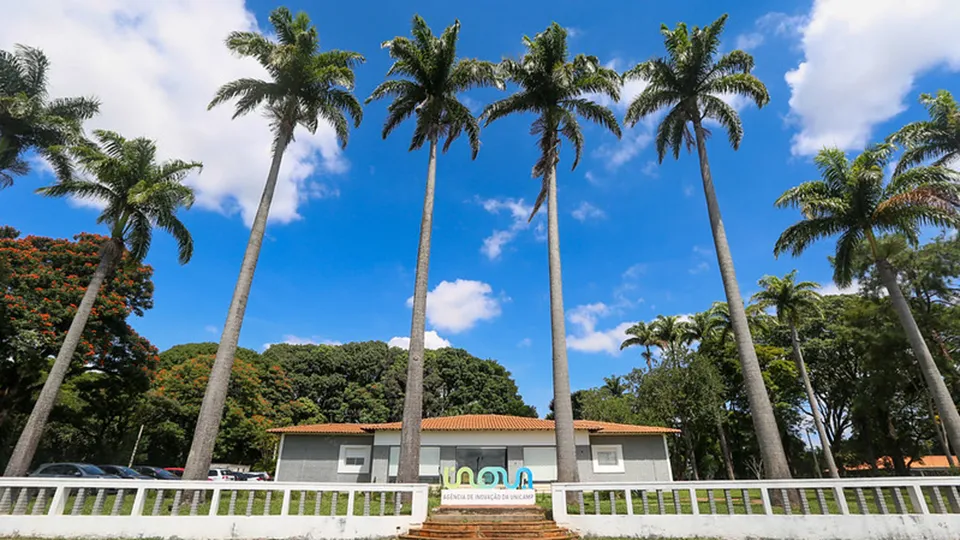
691,454
941,436
812,399
935,385
211,410
409,467
725,449
764,421
562,406
22,457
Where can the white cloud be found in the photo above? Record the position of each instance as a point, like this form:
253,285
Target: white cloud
431,340
457,306
592,178
651,169
155,66
587,211
749,41
211,329
525,342
573,31
832,289
703,251
782,24
587,338
688,191
634,271
291,339
861,58
700,267
519,213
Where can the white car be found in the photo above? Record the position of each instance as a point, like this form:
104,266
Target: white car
257,476
219,475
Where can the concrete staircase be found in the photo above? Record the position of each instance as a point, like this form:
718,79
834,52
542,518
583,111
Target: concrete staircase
504,522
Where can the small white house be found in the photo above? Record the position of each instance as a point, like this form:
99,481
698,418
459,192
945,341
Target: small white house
606,452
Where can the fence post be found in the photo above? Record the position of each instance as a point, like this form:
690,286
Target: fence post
138,501
59,501
285,509
418,506
765,498
558,498
917,500
841,500
694,504
215,502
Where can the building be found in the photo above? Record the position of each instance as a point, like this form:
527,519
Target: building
936,465
606,452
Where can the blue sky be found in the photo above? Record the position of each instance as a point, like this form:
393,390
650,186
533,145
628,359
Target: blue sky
338,262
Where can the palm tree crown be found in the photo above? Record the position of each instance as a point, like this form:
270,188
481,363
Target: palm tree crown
787,296
935,139
137,192
853,201
641,335
29,119
434,77
305,86
692,85
700,326
668,332
554,88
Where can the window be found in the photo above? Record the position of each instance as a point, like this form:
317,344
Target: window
542,462
354,459
429,461
607,458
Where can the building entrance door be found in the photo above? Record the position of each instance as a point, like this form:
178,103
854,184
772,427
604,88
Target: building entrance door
476,458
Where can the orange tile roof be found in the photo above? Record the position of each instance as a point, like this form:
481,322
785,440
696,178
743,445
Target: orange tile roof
925,462
325,429
478,422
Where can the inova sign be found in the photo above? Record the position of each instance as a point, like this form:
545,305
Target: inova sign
487,478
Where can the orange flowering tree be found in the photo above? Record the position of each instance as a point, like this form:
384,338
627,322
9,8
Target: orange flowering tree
41,283
259,397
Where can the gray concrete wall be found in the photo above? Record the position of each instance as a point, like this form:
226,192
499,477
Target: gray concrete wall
380,469
314,458
514,461
448,458
644,457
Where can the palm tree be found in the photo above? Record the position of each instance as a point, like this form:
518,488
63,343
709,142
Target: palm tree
305,87
29,119
669,333
852,201
139,194
700,326
614,385
641,336
555,89
690,83
433,76
790,299
937,139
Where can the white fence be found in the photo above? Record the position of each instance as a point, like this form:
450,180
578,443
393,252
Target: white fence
42,507
856,509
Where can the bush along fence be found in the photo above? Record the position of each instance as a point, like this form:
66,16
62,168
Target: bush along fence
51,507
856,509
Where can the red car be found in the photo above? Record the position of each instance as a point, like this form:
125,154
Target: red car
175,470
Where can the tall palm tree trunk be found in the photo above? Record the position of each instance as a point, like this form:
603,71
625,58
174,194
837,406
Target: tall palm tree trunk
935,384
725,450
812,399
211,410
409,467
562,406
764,422
23,452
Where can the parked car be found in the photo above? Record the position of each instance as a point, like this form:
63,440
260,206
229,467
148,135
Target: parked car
257,476
124,472
156,472
238,476
220,475
70,470
175,470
